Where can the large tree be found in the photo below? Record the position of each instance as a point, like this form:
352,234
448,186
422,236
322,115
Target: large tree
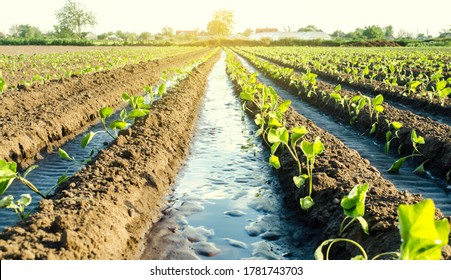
373,32
221,23
24,31
73,17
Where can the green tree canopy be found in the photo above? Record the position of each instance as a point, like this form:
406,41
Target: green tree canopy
373,32
308,28
25,31
73,17
221,23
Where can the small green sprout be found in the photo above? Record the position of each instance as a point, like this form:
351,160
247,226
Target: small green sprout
18,206
353,206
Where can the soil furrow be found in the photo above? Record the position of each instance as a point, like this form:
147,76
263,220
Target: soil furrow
437,147
336,171
47,116
105,209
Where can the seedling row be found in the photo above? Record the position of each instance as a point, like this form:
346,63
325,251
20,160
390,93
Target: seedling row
411,136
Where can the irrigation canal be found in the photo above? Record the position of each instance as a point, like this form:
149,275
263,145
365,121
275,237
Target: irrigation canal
225,203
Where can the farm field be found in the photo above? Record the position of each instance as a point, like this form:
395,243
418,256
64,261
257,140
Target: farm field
220,137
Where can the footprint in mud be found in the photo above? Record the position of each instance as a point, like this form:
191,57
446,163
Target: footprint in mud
198,236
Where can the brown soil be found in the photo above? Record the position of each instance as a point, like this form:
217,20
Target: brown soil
29,50
337,170
437,147
43,117
105,209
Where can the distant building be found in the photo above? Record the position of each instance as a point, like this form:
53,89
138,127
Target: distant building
262,30
186,32
114,38
445,35
274,36
91,36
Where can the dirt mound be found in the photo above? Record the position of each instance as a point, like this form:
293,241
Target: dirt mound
105,209
44,117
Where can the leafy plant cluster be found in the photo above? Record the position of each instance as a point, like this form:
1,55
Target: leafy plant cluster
354,105
263,101
419,72
422,237
138,106
27,70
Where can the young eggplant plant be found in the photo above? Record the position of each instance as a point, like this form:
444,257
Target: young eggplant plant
310,150
353,206
415,140
422,237
18,206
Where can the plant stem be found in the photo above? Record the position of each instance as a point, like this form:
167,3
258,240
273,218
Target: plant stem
365,256
29,185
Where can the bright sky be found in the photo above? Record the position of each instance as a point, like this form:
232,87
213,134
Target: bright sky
152,15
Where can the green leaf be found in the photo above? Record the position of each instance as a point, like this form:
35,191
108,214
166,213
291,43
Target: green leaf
259,120
353,204
62,179
306,202
311,150
2,84
355,98
162,89
105,112
297,133
373,128
273,122
125,97
136,113
387,136
319,251
300,180
24,200
123,114
278,135
441,85
396,125
8,172
416,139
364,225
274,161
358,258
397,165
247,93
88,137
64,155
422,236
335,96
283,107
378,100
29,169
274,148
379,108
318,146
7,202
118,124
420,169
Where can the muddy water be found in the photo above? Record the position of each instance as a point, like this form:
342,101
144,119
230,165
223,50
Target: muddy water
428,186
50,168
225,203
